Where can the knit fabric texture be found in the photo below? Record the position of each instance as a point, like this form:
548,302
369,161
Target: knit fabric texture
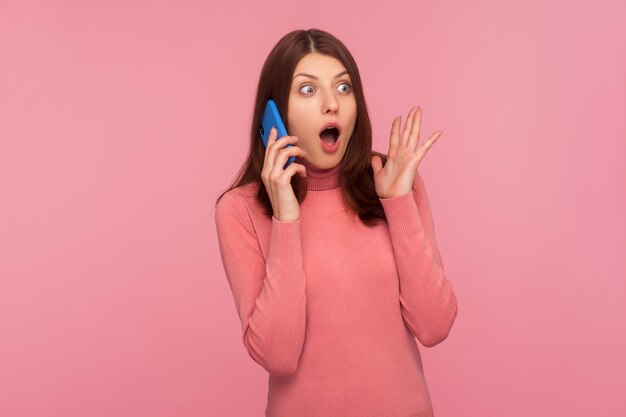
332,308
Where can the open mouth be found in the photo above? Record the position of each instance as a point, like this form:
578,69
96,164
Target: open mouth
329,135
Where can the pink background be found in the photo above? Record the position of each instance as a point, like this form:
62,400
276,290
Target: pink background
122,121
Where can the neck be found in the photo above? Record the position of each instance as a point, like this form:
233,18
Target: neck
321,178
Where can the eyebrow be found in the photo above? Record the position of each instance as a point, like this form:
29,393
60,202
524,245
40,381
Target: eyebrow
315,78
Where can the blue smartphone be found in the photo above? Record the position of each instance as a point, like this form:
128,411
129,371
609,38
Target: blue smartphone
271,118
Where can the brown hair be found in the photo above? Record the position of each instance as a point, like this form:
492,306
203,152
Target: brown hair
357,176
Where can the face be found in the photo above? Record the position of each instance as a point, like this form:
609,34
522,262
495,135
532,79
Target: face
315,102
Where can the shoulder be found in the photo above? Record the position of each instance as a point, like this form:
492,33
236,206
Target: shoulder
236,205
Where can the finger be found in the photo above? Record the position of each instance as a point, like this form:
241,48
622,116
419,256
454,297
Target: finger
283,155
433,138
295,168
277,146
377,164
407,126
428,144
415,130
271,139
302,170
394,137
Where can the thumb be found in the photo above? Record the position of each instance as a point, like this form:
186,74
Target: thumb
377,164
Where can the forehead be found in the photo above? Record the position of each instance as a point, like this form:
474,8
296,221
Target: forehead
318,65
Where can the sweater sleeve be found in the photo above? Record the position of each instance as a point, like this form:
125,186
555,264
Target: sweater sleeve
427,299
269,296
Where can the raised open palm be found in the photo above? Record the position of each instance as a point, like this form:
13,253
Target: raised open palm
397,176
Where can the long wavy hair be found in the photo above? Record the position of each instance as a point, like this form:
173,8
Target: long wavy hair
356,176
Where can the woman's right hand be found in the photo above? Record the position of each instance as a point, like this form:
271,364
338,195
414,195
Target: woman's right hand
277,180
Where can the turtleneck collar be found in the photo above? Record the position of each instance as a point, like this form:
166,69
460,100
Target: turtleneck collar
321,179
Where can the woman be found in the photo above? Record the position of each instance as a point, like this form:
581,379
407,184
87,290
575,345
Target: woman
334,271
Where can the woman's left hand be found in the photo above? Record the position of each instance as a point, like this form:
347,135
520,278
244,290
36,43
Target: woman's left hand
397,176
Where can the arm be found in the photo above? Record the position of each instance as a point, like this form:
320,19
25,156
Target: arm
427,300
270,297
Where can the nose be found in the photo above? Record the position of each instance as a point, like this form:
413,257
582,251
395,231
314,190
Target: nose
330,103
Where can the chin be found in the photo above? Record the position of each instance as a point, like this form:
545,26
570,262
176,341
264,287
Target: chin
327,161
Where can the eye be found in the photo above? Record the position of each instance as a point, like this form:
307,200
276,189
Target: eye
343,83
348,85
305,85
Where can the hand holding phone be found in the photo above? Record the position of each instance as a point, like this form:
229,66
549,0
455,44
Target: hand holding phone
281,194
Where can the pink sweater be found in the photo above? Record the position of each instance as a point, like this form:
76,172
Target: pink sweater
330,307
